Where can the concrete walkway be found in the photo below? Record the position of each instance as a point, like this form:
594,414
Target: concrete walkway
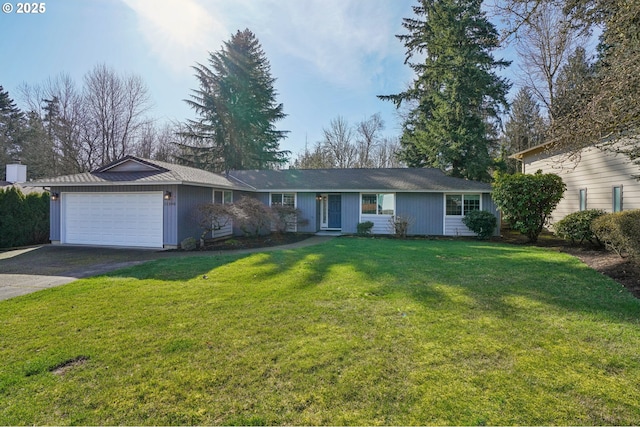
24,271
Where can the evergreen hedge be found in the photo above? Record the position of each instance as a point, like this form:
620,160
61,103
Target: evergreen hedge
24,219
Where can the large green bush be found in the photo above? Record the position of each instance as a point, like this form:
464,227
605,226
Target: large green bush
482,223
620,232
24,220
526,201
576,227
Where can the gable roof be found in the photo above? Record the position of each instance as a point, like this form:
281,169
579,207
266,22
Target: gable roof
399,179
132,170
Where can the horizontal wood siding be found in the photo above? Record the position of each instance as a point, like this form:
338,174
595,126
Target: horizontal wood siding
453,226
308,205
350,212
596,171
424,211
381,223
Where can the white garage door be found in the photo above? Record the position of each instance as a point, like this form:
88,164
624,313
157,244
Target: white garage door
113,219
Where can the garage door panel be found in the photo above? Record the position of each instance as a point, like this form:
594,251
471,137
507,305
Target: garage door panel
114,219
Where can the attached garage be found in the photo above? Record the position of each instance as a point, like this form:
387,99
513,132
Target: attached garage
113,219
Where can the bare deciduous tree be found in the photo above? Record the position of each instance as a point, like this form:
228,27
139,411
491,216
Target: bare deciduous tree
116,106
344,146
338,142
544,44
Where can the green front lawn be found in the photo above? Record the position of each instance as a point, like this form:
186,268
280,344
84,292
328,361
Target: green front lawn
355,331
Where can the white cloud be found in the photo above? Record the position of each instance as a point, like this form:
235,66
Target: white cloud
342,41
178,31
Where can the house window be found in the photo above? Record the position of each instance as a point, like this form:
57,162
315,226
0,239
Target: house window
283,199
461,204
227,197
378,204
583,199
222,197
617,199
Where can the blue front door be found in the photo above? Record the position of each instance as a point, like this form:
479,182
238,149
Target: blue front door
335,211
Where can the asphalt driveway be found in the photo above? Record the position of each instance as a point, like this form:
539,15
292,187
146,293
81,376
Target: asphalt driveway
23,271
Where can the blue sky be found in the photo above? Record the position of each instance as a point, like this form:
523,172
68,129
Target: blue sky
330,57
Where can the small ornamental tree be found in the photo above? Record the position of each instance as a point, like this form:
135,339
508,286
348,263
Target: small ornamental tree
251,216
286,218
526,201
212,217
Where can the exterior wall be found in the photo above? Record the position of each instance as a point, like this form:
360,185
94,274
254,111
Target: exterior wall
227,230
596,171
453,225
350,212
188,198
308,204
424,211
170,224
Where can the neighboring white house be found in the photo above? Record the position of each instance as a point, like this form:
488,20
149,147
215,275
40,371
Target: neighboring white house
595,178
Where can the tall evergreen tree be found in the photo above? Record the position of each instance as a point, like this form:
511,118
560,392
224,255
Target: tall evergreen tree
11,123
573,85
525,127
237,110
457,94
609,108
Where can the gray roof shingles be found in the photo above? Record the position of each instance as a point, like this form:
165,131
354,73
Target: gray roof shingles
167,174
401,179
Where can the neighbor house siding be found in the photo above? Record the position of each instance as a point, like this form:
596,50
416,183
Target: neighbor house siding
423,210
596,171
169,210
308,206
188,199
350,212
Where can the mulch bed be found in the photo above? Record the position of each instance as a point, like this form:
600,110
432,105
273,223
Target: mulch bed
608,263
244,242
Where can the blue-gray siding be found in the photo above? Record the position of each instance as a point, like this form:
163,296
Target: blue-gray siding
308,204
350,212
188,199
424,210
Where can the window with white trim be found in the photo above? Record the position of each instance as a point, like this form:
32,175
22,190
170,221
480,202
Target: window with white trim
378,203
617,198
227,197
462,204
222,197
283,199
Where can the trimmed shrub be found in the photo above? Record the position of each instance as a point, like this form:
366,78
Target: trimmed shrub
482,223
364,228
526,201
620,232
188,244
576,227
